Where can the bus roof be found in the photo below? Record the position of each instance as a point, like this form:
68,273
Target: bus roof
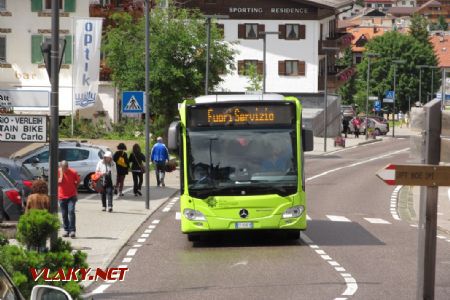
238,97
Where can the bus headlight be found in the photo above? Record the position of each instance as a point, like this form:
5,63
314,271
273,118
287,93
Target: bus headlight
193,215
293,212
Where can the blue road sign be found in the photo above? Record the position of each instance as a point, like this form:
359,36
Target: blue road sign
133,102
377,105
389,95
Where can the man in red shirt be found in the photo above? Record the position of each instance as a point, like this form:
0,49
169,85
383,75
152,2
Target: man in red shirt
68,180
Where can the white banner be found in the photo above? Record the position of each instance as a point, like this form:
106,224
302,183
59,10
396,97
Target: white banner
88,33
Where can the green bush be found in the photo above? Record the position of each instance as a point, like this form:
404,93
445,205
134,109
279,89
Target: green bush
33,230
3,240
35,227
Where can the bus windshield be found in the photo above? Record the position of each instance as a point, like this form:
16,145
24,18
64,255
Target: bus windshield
242,162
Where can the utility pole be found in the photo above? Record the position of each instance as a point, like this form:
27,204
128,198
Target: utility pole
264,34
208,37
147,103
54,116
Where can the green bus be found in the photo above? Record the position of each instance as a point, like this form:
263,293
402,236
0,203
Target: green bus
241,163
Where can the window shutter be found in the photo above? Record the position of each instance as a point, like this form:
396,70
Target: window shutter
301,66
69,5
36,5
241,31
241,67
302,32
260,67
68,50
221,29
261,27
281,67
282,32
36,54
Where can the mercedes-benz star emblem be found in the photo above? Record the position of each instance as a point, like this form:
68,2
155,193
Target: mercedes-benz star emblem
243,213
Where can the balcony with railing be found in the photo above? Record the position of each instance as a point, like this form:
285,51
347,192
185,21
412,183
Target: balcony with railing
336,77
340,40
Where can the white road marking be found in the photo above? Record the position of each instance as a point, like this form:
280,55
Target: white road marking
145,235
155,222
151,227
123,266
137,246
177,215
351,285
101,289
357,164
241,263
141,240
127,259
131,252
414,225
308,218
376,221
148,230
441,237
338,218
394,197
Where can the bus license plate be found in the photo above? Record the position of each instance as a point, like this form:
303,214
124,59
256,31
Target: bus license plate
244,225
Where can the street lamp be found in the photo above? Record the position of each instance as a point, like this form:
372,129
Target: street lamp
369,56
420,78
264,34
208,46
395,62
325,96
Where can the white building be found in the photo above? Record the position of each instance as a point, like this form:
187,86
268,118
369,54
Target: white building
24,25
297,34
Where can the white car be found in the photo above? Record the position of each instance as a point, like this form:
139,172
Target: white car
82,157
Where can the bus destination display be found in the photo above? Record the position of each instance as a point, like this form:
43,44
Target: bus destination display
238,115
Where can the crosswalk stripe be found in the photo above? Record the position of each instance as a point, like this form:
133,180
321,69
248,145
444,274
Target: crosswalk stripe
338,218
376,221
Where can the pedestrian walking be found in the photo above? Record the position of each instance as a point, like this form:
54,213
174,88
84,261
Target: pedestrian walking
356,122
137,161
38,199
159,157
107,170
68,181
345,124
121,159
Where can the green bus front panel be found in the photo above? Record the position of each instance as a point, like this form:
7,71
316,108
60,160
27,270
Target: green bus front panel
223,212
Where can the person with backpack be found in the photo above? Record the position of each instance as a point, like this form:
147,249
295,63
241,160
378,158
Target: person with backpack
121,159
356,122
159,157
106,168
137,162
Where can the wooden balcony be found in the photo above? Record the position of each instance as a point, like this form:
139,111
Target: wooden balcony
336,78
341,40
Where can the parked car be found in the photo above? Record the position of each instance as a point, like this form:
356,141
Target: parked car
12,201
348,111
39,292
82,157
379,127
20,173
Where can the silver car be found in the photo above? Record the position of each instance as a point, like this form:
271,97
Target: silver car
82,157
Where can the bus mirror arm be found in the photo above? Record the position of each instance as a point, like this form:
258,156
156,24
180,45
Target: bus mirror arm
307,140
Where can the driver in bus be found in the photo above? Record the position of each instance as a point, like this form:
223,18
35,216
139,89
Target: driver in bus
277,161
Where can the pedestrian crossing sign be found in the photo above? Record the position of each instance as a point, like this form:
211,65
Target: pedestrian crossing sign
133,102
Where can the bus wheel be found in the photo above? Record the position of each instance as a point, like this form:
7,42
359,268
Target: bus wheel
293,234
193,237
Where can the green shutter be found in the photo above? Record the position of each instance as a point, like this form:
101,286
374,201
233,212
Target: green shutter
36,5
68,50
69,5
36,54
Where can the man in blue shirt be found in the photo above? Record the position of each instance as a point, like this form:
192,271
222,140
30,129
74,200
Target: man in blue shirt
159,157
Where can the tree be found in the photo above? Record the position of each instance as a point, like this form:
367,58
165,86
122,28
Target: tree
254,79
419,28
442,23
395,46
177,60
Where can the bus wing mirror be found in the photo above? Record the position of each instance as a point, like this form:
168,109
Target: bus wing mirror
307,140
173,136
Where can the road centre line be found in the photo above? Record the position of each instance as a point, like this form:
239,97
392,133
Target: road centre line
356,164
338,218
350,282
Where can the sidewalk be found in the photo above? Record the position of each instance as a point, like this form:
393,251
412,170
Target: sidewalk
101,234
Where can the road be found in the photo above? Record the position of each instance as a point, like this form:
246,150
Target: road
353,248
